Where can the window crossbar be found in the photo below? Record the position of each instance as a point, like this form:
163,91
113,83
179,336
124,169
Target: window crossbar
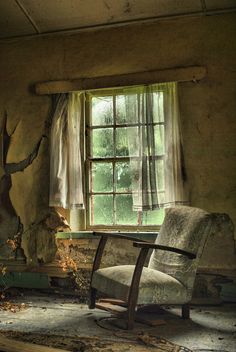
124,158
124,125
120,193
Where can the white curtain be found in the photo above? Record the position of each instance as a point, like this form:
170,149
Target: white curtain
175,192
142,152
155,145
66,185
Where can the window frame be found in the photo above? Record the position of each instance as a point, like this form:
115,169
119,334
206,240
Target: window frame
88,160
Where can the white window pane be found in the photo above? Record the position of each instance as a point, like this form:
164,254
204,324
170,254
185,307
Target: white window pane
123,177
120,110
158,107
101,210
102,143
124,213
122,148
159,140
102,111
102,177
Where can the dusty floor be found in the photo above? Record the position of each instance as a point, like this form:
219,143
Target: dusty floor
210,328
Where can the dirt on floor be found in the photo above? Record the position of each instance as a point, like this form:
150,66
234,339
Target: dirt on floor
139,343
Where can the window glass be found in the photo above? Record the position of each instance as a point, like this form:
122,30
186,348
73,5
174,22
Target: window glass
101,177
124,213
101,209
123,182
159,139
122,148
115,158
102,111
102,142
158,107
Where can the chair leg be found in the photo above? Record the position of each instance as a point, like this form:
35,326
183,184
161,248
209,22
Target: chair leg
130,317
92,300
131,310
185,311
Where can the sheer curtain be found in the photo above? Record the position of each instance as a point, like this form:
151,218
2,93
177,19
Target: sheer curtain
141,142
175,193
154,139
66,186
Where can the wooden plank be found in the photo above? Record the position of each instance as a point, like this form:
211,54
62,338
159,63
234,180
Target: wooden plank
10,345
115,301
112,308
51,269
179,74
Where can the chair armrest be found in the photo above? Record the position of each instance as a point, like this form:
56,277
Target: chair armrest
164,248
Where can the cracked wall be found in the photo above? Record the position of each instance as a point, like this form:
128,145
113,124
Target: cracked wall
207,107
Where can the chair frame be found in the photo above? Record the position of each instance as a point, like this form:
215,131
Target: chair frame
134,287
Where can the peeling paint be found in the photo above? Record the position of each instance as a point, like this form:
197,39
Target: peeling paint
10,225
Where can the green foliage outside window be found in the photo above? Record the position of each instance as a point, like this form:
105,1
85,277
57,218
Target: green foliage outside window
110,200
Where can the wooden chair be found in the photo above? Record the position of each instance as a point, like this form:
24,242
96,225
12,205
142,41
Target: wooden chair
170,274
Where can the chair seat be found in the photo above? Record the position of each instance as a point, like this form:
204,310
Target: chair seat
155,286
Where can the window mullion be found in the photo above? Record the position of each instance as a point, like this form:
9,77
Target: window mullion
140,130
89,200
113,162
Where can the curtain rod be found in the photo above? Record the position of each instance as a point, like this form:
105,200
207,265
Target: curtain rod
177,74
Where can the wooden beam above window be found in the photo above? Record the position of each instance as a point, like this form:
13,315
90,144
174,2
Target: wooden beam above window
178,74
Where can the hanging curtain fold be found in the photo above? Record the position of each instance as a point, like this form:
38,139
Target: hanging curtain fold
66,186
141,143
175,192
154,140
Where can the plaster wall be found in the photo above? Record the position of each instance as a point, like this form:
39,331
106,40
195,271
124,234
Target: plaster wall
208,107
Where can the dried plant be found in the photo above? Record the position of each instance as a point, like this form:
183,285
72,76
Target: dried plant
81,277
12,307
68,264
3,269
12,243
6,305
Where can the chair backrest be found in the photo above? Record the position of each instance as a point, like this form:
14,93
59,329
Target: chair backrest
186,228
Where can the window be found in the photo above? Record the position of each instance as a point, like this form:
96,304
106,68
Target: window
110,150
130,158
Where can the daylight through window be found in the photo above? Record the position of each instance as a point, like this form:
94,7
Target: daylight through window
111,151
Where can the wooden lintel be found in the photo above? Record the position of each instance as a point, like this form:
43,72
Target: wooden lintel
178,74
